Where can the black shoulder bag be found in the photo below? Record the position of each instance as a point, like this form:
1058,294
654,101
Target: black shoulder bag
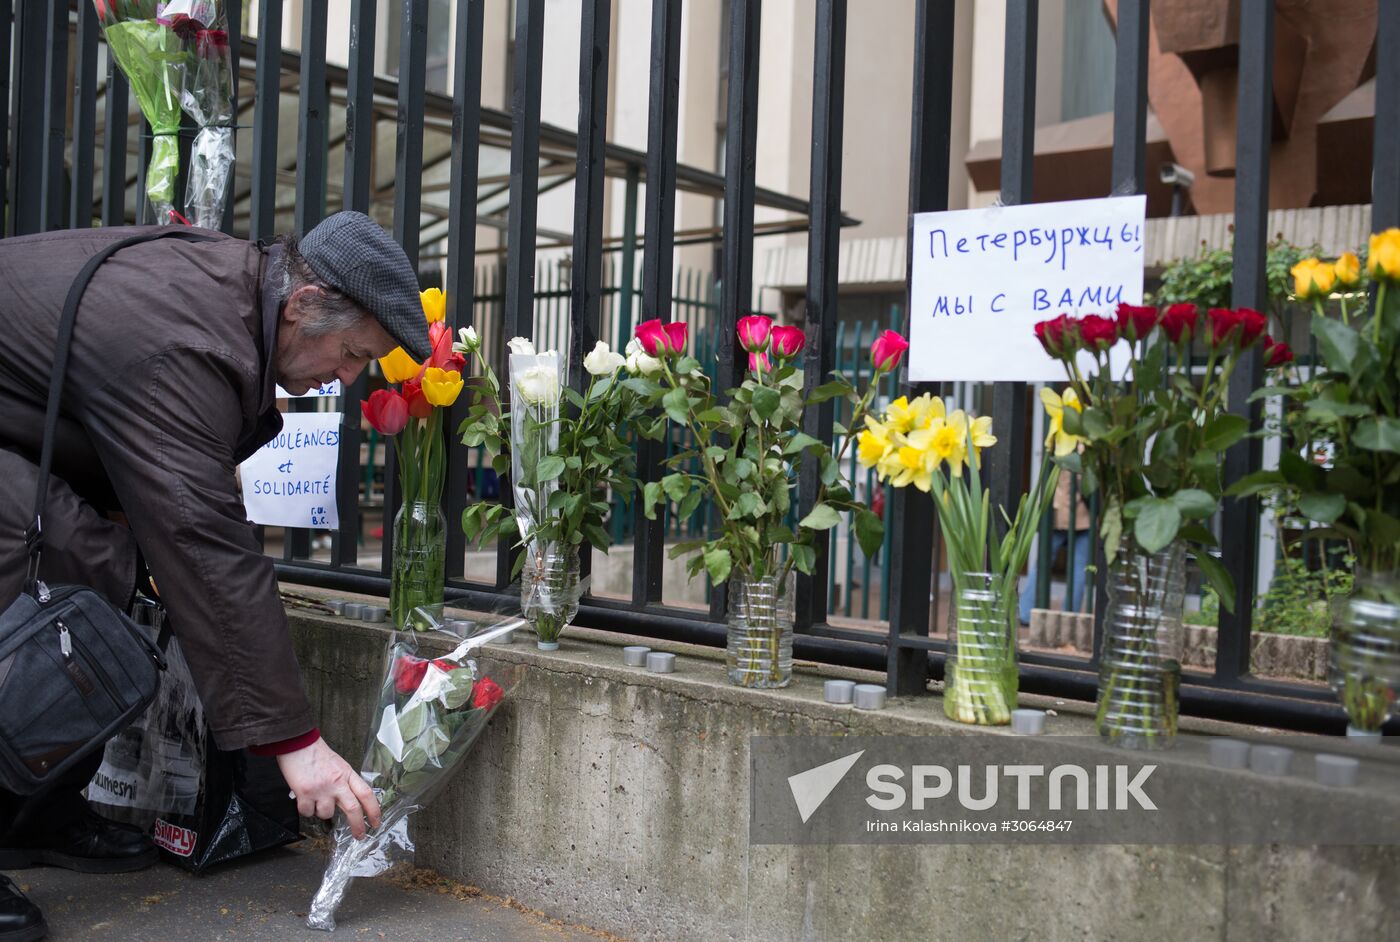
74,671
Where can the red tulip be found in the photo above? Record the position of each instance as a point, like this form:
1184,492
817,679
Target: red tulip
1135,322
788,342
418,405
1179,322
408,673
386,410
442,357
1252,325
753,332
1224,325
676,336
1276,354
758,363
887,350
487,694
1099,333
652,336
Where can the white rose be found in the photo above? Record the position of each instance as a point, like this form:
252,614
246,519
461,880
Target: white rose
638,362
538,385
602,361
521,345
467,341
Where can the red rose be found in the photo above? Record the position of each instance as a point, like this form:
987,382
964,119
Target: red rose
1059,335
753,332
758,363
652,336
1179,322
386,410
1276,354
487,694
1252,325
887,350
1099,333
408,673
676,336
1135,322
445,665
788,341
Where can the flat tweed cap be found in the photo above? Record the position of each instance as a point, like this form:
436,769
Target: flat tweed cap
353,254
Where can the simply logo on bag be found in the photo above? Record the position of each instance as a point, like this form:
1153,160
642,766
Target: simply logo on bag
179,841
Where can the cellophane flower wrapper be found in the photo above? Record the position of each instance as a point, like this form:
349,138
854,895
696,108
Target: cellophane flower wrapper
429,713
207,98
534,435
153,58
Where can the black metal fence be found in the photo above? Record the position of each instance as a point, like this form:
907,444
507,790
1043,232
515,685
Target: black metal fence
47,188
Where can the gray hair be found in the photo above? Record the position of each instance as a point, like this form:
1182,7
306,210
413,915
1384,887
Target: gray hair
330,311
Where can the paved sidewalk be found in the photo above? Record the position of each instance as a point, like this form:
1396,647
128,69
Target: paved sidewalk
266,898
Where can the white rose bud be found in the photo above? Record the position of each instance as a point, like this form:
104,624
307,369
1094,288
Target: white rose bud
602,361
467,342
538,386
522,346
638,362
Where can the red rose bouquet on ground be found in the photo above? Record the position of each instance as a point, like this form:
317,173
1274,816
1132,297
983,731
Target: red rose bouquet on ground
429,713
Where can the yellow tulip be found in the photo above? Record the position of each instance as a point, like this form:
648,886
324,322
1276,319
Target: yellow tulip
399,366
434,305
441,387
1383,258
1348,270
1055,406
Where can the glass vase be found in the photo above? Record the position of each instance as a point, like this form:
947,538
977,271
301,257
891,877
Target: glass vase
549,591
1364,665
420,548
1140,658
980,679
761,612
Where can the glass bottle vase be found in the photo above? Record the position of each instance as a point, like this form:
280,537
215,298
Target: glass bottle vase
420,548
1140,657
761,614
980,678
1364,664
549,591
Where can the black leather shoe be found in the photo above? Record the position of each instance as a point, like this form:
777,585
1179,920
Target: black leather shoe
89,844
20,920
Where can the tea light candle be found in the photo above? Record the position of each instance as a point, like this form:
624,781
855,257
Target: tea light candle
1229,753
354,610
1337,771
660,662
839,691
374,613
1270,760
1028,722
635,655
869,697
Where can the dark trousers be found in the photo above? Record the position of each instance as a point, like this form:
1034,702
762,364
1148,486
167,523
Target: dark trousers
27,816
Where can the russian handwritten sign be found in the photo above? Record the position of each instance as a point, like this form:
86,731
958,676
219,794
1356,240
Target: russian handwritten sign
290,481
982,278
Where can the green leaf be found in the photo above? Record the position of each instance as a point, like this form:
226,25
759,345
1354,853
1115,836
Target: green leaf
822,517
676,486
1337,341
1157,524
690,503
1196,534
1224,430
1299,472
1324,508
804,558
1328,410
1193,503
677,406
1256,483
743,467
596,535
413,722
800,442
1096,423
1381,528
549,469
1111,529
830,390
718,564
715,453
1265,392
870,532
1219,578
766,401
651,496
1379,433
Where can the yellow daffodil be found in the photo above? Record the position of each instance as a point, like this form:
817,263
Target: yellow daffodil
1055,406
917,461
399,366
947,441
979,433
1383,258
1313,278
1348,270
873,443
441,387
434,305
904,416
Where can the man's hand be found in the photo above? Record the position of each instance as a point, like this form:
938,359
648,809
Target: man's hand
322,781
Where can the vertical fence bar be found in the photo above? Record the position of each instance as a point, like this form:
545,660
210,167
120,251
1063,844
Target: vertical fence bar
144,212
740,164
114,135
586,276
55,110
262,199
235,54
629,253
408,197
311,118
823,249
657,263
519,314
1385,197
1007,470
6,29
26,209
1240,518
359,153
84,118
911,516
461,250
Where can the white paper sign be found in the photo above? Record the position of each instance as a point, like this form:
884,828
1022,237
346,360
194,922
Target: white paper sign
329,389
290,481
982,278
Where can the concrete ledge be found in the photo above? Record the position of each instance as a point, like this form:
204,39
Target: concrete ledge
617,798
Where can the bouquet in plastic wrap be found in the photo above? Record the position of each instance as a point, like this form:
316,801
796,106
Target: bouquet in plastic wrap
153,58
429,713
207,97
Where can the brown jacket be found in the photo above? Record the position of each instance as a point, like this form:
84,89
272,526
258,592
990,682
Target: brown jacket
169,386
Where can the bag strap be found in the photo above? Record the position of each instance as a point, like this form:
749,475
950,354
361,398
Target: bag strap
34,534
